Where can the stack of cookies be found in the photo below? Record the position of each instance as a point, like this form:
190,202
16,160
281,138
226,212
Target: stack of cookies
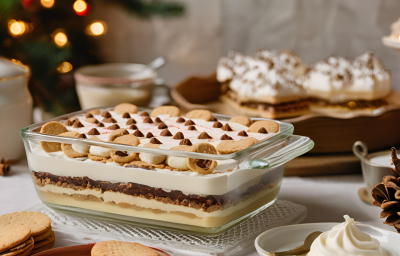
25,232
119,248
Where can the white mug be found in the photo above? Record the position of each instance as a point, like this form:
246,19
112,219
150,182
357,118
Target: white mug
15,108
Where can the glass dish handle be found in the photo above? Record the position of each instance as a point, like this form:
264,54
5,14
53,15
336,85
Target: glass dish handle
300,146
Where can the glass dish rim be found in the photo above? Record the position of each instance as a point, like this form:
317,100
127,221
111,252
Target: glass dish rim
28,134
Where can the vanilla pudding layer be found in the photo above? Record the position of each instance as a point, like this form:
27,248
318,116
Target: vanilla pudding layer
117,203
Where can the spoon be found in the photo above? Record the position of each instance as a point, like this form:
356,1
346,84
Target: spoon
157,63
303,249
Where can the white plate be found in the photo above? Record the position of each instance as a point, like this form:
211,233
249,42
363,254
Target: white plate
289,237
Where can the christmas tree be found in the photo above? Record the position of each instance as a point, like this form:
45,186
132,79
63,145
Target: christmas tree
49,37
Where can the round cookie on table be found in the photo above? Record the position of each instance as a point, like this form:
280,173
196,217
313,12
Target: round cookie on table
41,236
120,248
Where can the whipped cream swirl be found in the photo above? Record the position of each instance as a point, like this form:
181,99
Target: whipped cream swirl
264,77
346,239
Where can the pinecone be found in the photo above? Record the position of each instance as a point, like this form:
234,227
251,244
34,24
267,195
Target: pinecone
387,195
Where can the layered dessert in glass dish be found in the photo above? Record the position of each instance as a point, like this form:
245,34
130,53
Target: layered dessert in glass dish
201,172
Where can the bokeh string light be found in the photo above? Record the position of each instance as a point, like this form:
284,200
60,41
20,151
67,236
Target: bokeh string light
96,28
65,67
81,8
60,38
17,27
47,3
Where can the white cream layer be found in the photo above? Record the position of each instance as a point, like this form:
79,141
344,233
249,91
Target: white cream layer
219,182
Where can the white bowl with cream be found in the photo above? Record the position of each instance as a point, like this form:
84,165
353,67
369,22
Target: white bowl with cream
345,239
114,83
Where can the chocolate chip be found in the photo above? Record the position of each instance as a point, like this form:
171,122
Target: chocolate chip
78,124
121,153
89,115
243,134
100,125
192,128
189,122
133,127
149,135
166,133
162,126
180,120
113,127
81,136
227,128
144,114
106,114
155,141
226,137
126,115
186,142
138,133
109,120
68,123
204,136
147,120
204,163
93,131
131,121
262,130
157,120
217,125
213,119
178,136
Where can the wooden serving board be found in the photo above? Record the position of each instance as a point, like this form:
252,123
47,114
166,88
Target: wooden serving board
312,165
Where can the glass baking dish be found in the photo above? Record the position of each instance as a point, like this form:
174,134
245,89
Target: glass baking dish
244,183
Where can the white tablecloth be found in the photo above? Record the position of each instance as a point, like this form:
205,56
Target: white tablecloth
327,198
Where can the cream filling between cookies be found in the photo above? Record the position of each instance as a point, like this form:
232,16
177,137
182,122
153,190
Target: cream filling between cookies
81,149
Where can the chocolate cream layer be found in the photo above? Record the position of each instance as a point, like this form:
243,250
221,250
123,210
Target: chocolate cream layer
206,203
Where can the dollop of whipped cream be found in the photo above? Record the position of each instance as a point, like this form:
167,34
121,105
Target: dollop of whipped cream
346,239
264,77
338,79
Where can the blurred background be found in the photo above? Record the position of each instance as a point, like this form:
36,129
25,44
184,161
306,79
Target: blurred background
56,37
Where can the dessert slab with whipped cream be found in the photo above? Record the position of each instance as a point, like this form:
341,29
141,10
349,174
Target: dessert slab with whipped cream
186,190
277,84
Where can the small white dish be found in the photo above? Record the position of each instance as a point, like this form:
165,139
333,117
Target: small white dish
289,237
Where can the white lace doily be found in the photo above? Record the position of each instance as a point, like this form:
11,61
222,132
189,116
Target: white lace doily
82,230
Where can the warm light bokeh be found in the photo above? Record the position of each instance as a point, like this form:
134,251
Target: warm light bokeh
96,28
60,39
47,3
80,6
65,67
16,27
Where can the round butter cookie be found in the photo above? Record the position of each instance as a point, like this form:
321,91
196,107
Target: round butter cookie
53,128
119,248
12,236
166,110
126,108
243,120
232,146
270,126
22,249
37,222
202,166
200,114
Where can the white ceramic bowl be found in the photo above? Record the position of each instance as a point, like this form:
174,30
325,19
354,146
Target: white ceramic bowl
289,237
